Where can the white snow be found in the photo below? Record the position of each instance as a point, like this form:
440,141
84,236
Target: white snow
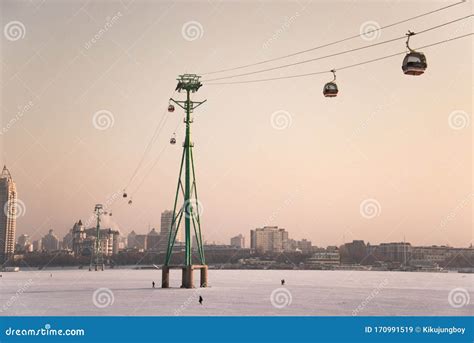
235,293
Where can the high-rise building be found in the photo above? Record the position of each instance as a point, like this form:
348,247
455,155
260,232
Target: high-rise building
50,242
109,238
238,241
152,240
135,241
122,242
166,220
23,244
354,252
394,252
305,246
37,245
131,240
140,241
8,214
22,241
269,239
108,241
67,240
78,237
291,245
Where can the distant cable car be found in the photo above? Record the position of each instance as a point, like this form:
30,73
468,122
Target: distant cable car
330,89
170,108
130,202
124,194
173,139
414,62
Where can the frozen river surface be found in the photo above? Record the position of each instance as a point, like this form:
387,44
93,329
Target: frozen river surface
236,292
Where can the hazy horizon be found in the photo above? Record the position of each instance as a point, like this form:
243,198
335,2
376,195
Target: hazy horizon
387,136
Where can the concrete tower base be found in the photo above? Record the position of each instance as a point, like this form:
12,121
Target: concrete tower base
187,278
165,277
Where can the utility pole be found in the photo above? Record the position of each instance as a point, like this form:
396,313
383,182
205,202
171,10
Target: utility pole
191,207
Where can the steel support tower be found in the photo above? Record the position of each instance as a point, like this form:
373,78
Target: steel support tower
97,257
190,207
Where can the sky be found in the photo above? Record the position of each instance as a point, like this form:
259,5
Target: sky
84,84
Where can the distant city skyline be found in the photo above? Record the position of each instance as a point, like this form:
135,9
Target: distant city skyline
271,239
166,218
384,161
269,246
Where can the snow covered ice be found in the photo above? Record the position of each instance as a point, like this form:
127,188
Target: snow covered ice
129,292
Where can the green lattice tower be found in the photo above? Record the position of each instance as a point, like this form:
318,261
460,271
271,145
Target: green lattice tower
97,257
190,208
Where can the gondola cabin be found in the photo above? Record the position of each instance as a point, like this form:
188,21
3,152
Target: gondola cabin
330,90
414,63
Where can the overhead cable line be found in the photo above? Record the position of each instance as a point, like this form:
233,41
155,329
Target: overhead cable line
337,53
340,68
148,147
153,165
337,41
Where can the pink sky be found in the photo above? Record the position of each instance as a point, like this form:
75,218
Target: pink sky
386,136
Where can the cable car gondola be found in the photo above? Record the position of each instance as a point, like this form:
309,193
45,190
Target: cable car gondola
170,108
414,62
330,89
124,194
173,139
